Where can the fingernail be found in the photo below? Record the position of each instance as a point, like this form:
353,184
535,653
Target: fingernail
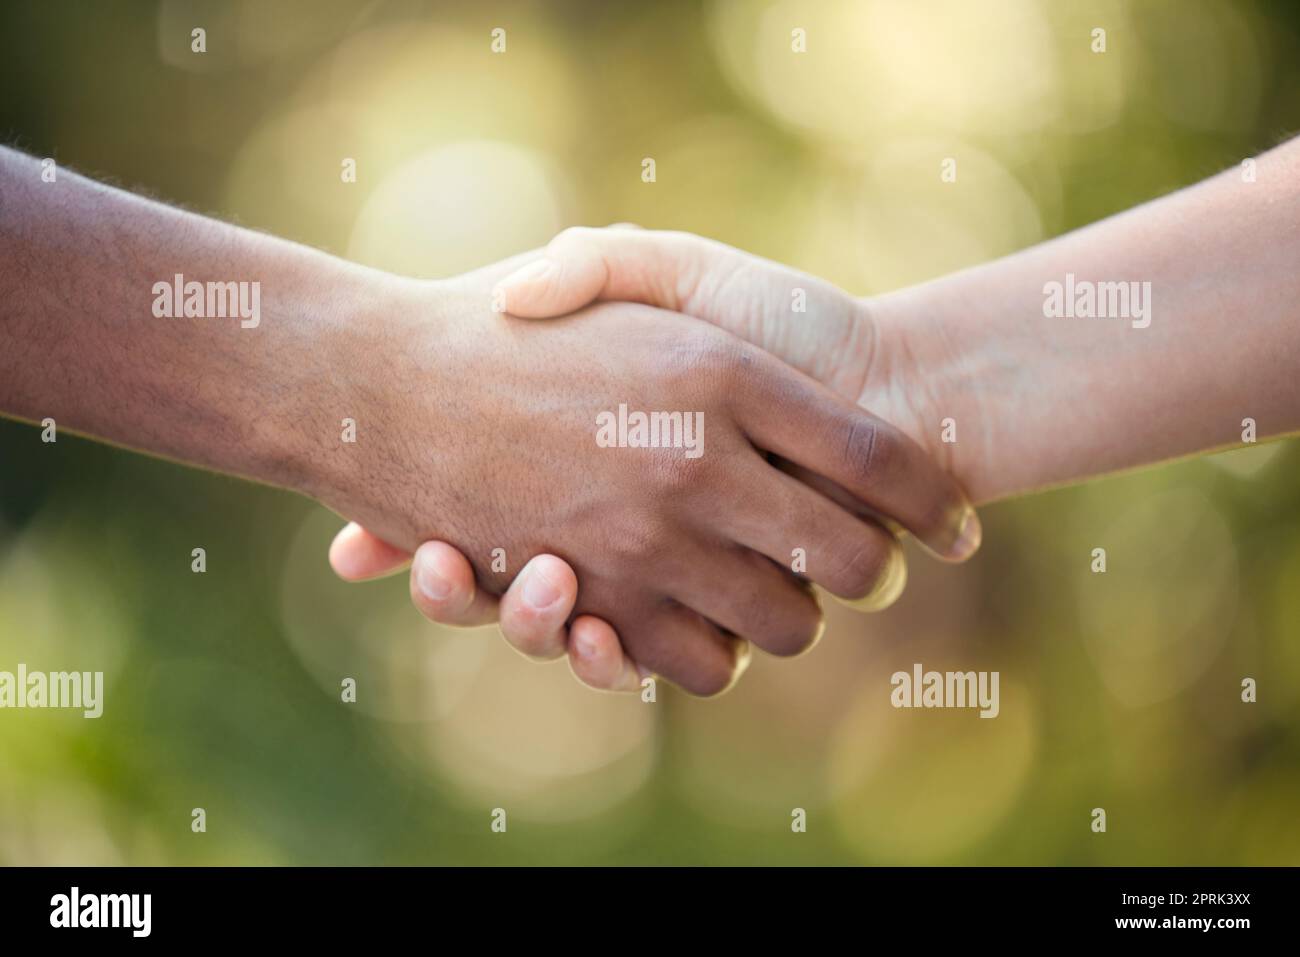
341,555
891,583
742,653
432,585
539,591
968,540
531,272
888,586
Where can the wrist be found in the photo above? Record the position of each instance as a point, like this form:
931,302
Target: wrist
925,380
343,399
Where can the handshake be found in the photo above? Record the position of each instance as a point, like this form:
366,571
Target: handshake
623,538
642,449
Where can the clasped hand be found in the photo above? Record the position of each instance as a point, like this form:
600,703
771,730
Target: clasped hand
639,560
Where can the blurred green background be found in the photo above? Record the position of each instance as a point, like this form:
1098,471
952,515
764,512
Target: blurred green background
1119,691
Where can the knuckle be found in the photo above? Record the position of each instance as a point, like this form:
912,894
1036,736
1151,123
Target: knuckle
859,568
673,473
717,367
736,359
867,451
700,356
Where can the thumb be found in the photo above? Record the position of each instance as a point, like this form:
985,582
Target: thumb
570,274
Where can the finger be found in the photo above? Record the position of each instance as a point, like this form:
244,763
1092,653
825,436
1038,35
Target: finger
854,506
356,555
856,560
685,648
509,279
835,492
748,296
582,264
536,606
787,413
746,594
443,587
597,658
553,285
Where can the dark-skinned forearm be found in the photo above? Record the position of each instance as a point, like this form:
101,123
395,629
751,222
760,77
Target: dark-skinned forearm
81,341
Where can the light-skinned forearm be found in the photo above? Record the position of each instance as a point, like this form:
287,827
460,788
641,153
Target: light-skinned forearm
1037,401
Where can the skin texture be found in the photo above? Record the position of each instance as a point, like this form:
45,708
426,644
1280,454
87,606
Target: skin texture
678,552
473,429
1038,401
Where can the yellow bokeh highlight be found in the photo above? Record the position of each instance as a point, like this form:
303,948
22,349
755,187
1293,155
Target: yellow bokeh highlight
923,785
